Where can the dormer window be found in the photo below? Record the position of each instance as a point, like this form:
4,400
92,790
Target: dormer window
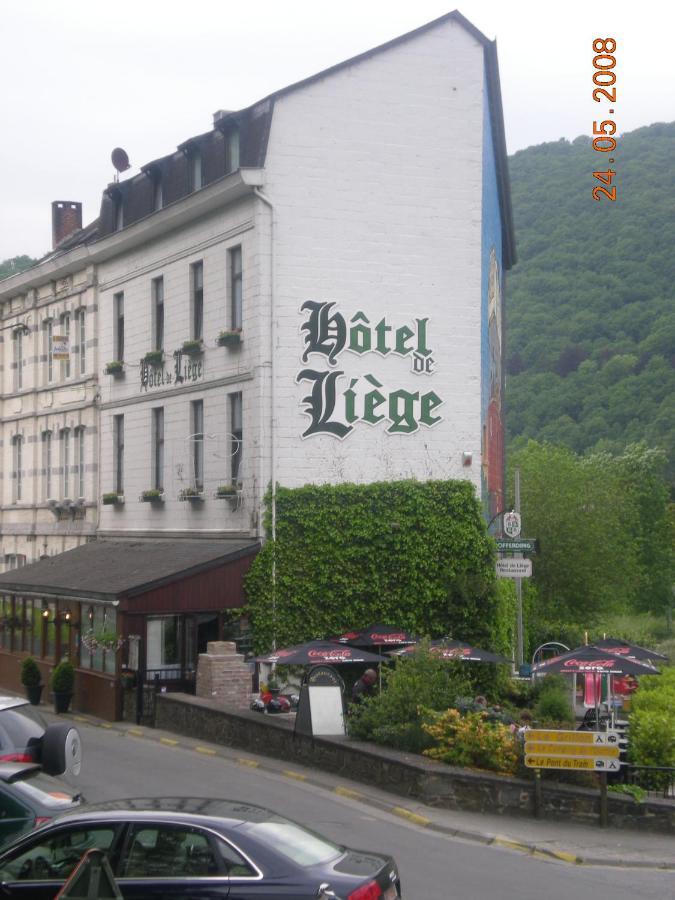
118,211
195,169
157,191
231,151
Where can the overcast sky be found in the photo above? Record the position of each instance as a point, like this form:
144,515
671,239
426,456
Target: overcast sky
81,77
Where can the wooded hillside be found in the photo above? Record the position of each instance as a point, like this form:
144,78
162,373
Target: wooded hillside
591,311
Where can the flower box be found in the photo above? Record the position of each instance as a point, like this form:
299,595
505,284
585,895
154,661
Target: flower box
227,491
154,357
112,499
191,494
152,496
229,338
115,368
192,348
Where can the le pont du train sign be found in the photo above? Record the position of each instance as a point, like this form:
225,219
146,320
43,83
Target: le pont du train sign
338,400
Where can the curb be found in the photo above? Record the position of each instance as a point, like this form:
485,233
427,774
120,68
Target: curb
400,812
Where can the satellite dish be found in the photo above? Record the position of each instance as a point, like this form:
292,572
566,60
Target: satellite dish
120,160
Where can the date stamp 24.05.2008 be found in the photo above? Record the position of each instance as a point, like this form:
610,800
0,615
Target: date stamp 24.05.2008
604,90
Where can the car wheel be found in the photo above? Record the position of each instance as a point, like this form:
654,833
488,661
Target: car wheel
62,750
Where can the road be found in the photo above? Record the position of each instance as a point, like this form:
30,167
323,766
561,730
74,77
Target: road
433,866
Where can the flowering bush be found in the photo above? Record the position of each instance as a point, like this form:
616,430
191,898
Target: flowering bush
470,740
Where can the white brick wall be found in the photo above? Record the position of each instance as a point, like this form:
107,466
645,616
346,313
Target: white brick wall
375,173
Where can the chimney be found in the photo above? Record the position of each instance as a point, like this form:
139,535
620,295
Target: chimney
66,218
220,114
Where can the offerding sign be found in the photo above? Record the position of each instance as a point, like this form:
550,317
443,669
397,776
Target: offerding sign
60,347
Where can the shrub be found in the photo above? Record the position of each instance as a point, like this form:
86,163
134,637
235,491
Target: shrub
30,673
469,739
652,721
393,717
63,678
553,700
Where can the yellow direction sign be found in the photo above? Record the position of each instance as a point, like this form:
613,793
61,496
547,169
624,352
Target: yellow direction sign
597,738
558,762
570,762
552,749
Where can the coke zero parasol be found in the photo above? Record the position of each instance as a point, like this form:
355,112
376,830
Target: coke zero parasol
376,636
315,653
619,647
593,659
456,650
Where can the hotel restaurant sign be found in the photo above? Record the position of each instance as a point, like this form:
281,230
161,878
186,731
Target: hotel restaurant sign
337,401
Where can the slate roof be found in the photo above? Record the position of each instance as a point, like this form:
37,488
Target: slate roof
109,570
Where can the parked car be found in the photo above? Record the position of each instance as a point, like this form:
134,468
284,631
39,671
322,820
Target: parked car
25,736
186,847
29,798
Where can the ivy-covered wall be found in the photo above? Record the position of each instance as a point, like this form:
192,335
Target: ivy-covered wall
404,553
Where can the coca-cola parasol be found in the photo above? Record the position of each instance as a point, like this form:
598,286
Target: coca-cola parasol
593,659
315,653
456,650
619,647
376,636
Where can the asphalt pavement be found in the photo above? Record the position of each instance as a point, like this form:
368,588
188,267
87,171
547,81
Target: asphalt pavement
567,842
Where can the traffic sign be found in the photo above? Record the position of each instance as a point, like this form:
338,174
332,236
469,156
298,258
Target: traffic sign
514,568
572,737
566,762
516,545
553,749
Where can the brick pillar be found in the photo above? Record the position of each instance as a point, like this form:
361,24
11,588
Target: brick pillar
223,675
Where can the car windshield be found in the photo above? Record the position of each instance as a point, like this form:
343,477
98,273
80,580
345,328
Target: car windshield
294,842
44,789
20,727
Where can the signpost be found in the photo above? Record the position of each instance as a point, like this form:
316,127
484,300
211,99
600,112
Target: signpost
514,568
516,545
595,751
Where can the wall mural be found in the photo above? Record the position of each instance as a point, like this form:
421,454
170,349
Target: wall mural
493,428
337,400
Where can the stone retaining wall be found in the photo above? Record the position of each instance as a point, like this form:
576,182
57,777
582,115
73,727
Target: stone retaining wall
412,776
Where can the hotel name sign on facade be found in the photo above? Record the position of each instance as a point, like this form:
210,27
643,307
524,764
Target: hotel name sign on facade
337,400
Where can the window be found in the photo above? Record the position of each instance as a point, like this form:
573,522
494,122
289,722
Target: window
14,560
236,435
118,304
197,440
157,190
118,453
169,851
197,300
65,333
235,286
17,462
158,313
49,350
195,169
60,851
164,642
118,212
65,463
79,461
82,339
17,340
158,448
231,152
46,465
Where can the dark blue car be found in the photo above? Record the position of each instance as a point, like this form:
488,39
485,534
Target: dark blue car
195,848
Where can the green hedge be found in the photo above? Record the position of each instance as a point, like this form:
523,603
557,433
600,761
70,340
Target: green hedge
406,553
652,720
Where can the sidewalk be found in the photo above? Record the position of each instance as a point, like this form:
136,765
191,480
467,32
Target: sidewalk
567,842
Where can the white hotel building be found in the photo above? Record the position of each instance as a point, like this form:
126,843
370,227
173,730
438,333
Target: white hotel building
309,292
